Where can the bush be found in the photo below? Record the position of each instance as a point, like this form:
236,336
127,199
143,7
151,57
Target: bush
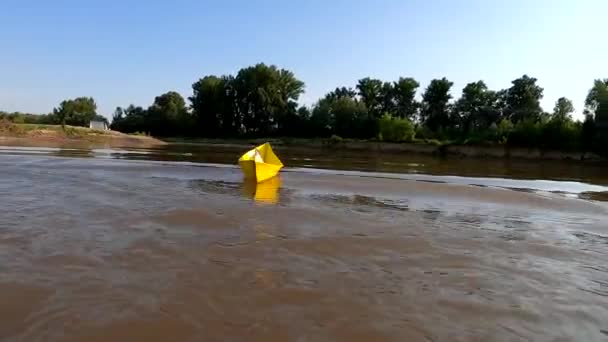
71,132
395,129
423,133
526,133
6,125
476,139
561,134
503,130
433,142
335,139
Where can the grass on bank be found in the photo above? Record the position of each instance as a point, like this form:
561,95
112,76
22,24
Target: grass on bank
10,129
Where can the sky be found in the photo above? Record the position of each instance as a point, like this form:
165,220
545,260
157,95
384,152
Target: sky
125,52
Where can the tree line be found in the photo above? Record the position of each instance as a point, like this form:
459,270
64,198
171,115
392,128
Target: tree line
262,101
76,112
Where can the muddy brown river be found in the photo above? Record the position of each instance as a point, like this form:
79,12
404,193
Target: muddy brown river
172,245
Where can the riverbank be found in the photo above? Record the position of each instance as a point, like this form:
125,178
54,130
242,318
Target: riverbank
31,135
425,148
70,136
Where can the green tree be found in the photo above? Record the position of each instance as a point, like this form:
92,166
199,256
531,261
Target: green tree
435,108
563,110
477,108
526,133
77,112
167,114
601,124
395,129
592,101
345,116
503,130
588,133
404,93
130,120
342,92
321,116
522,100
387,98
214,107
118,119
370,91
350,118
289,90
264,95
296,123
596,108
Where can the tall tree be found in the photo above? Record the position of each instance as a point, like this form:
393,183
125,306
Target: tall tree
601,122
77,112
588,133
405,97
477,108
263,95
289,90
387,98
345,116
435,104
321,116
342,92
596,110
370,91
213,106
522,100
563,110
595,94
130,120
166,114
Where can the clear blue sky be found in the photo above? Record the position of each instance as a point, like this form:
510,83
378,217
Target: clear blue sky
129,51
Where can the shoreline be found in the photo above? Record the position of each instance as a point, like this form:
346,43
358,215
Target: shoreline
71,136
442,150
81,137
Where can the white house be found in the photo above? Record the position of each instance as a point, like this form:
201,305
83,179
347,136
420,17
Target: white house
100,125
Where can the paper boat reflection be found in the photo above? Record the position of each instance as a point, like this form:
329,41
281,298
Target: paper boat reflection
263,192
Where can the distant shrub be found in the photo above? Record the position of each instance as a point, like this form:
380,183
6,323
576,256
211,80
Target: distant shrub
423,133
503,130
335,139
72,132
433,142
526,133
8,127
561,134
477,139
395,129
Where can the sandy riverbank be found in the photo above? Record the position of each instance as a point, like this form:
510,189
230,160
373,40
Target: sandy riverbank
70,136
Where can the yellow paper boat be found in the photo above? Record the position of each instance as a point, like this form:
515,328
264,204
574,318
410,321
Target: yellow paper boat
260,163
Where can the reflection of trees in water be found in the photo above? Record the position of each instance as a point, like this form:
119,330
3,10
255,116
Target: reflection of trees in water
431,214
596,196
361,202
216,187
81,153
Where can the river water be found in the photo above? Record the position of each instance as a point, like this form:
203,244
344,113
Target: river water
171,244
